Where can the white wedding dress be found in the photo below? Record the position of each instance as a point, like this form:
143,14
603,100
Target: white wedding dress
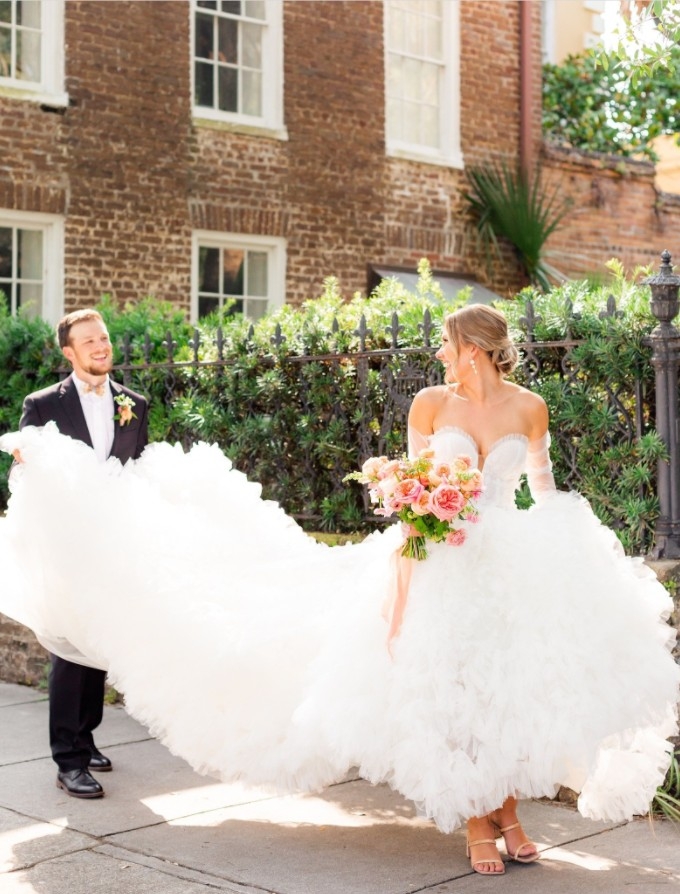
534,655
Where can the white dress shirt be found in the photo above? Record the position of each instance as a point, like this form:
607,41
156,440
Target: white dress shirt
99,411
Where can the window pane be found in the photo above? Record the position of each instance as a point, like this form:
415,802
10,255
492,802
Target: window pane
257,273
251,53
232,276
29,296
30,254
429,126
255,310
252,93
395,30
394,76
411,74
209,270
204,37
412,35
432,39
235,307
5,11
394,128
255,9
28,13
5,253
410,122
208,4
204,84
5,53
431,8
228,41
233,7
207,305
228,89
429,84
28,55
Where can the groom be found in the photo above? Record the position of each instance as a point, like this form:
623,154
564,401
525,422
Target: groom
113,420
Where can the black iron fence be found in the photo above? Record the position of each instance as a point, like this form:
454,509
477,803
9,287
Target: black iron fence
345,406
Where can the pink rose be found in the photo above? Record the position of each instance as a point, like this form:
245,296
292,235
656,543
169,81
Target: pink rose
371,468
421,506
426,453
471,482
456,538
442,470
389,468
462,463
446,501
385,487
407,492
388,508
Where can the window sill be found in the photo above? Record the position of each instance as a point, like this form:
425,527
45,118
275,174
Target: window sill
454,160
39,97
251,130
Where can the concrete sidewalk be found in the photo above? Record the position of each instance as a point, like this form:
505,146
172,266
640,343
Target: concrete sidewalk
162,829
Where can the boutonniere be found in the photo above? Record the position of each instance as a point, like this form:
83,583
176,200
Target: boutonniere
125,404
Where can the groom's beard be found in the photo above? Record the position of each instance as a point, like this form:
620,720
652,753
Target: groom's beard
100,368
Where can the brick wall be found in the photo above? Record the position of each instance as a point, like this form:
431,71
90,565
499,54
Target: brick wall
22,658
615,212
134,174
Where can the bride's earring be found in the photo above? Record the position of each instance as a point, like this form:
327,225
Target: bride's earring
473,365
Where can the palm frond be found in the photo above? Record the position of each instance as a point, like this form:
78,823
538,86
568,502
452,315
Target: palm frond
511,206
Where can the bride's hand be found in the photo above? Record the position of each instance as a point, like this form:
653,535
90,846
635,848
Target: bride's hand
17,456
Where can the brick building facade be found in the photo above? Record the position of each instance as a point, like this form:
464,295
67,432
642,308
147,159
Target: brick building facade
133,175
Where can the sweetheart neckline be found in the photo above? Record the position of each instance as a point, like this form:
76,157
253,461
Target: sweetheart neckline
492,447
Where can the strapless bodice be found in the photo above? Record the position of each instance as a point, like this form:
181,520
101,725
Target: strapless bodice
504,463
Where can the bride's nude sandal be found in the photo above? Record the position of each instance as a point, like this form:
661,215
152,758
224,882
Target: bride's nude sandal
475,863
517,857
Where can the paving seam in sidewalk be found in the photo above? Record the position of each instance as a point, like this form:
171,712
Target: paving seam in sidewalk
140,858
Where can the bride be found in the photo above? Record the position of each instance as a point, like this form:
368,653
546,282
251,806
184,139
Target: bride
532,656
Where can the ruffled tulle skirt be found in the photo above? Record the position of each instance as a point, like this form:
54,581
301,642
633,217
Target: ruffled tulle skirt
534,655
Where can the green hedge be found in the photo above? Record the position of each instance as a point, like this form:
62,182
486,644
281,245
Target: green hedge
293,425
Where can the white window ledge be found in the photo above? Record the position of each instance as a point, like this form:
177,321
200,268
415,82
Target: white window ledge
433,158
200,119
57,100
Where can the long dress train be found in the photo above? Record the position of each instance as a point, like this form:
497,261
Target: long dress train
534,655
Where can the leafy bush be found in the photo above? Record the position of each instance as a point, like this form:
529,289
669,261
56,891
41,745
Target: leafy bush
28,361
618,109
298,399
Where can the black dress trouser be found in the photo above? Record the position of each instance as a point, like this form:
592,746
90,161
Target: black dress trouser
76,709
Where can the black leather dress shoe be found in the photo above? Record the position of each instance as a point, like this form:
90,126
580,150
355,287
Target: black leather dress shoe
99,762
79,784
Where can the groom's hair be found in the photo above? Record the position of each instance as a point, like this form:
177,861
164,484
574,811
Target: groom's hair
76,316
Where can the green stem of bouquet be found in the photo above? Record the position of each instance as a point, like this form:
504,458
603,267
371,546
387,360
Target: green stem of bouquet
414,548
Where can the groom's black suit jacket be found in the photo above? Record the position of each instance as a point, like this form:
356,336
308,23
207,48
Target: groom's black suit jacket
60,403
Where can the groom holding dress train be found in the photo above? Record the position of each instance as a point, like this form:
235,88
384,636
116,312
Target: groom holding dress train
89,407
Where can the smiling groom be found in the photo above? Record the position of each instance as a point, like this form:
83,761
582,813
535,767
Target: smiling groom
90,407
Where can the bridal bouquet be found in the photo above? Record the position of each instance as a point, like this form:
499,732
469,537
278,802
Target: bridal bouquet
429,497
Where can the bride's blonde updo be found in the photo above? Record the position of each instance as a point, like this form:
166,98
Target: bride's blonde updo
486,327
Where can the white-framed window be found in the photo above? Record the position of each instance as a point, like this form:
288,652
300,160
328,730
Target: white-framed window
32,263
422,80
237,62
242,274
32,49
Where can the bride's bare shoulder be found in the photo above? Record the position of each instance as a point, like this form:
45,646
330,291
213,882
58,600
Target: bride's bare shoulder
424,407
533,408
433,394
